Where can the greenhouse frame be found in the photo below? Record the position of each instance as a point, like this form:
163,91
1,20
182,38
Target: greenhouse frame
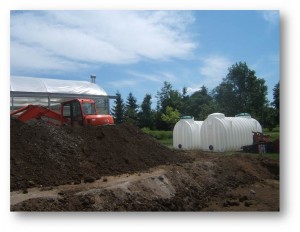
51,92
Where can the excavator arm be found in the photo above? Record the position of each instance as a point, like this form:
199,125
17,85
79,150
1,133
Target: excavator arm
36,111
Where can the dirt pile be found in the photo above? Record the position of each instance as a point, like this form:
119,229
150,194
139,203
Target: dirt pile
213,182
120,168
45,155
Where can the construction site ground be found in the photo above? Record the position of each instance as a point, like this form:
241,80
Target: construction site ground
120,168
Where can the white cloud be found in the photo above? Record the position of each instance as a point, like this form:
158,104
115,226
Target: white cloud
123,83
114,37
214,69
169,77
24,57
158,77
271,16
191,90
148,77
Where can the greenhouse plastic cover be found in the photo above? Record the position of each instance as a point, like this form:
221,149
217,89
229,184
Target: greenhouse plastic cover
34,84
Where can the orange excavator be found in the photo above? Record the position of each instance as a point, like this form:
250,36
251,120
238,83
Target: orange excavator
73,112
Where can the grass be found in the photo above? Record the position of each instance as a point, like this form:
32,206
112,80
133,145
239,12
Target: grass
274,134
273,156
167,142
164,137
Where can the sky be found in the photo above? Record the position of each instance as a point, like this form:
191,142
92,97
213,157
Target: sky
136,51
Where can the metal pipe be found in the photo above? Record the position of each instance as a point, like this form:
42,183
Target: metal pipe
93,79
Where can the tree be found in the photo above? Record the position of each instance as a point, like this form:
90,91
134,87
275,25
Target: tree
131,109
167,96
118,109
275,103
184,101
241,91
269,119
171,116
200,104
225,99
146,115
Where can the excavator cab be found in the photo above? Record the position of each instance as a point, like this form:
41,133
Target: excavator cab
88,108
83,112
71,110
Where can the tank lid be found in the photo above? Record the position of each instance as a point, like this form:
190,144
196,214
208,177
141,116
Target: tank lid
216,115
186,117
244,115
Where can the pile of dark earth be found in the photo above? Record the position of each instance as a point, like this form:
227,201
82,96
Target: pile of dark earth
42,154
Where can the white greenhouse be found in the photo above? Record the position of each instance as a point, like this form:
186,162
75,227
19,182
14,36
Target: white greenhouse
51,92
216,133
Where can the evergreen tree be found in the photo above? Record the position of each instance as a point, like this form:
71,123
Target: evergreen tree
146,115
131,109
184,101
276,101
118,109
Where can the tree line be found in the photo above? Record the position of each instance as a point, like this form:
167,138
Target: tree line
241,91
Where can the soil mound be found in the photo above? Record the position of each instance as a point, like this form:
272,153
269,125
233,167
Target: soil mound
212,182
42,154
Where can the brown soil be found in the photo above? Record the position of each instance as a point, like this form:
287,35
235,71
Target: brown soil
42,154
119,168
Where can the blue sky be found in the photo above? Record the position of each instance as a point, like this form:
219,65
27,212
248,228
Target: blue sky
136,51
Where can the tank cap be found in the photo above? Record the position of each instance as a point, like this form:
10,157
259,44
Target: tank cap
216,115
243,115
186,117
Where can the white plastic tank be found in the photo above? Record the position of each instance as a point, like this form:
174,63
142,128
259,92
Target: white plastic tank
186,134
219,133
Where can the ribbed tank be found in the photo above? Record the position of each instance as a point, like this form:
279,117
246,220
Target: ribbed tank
186,134
219,133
